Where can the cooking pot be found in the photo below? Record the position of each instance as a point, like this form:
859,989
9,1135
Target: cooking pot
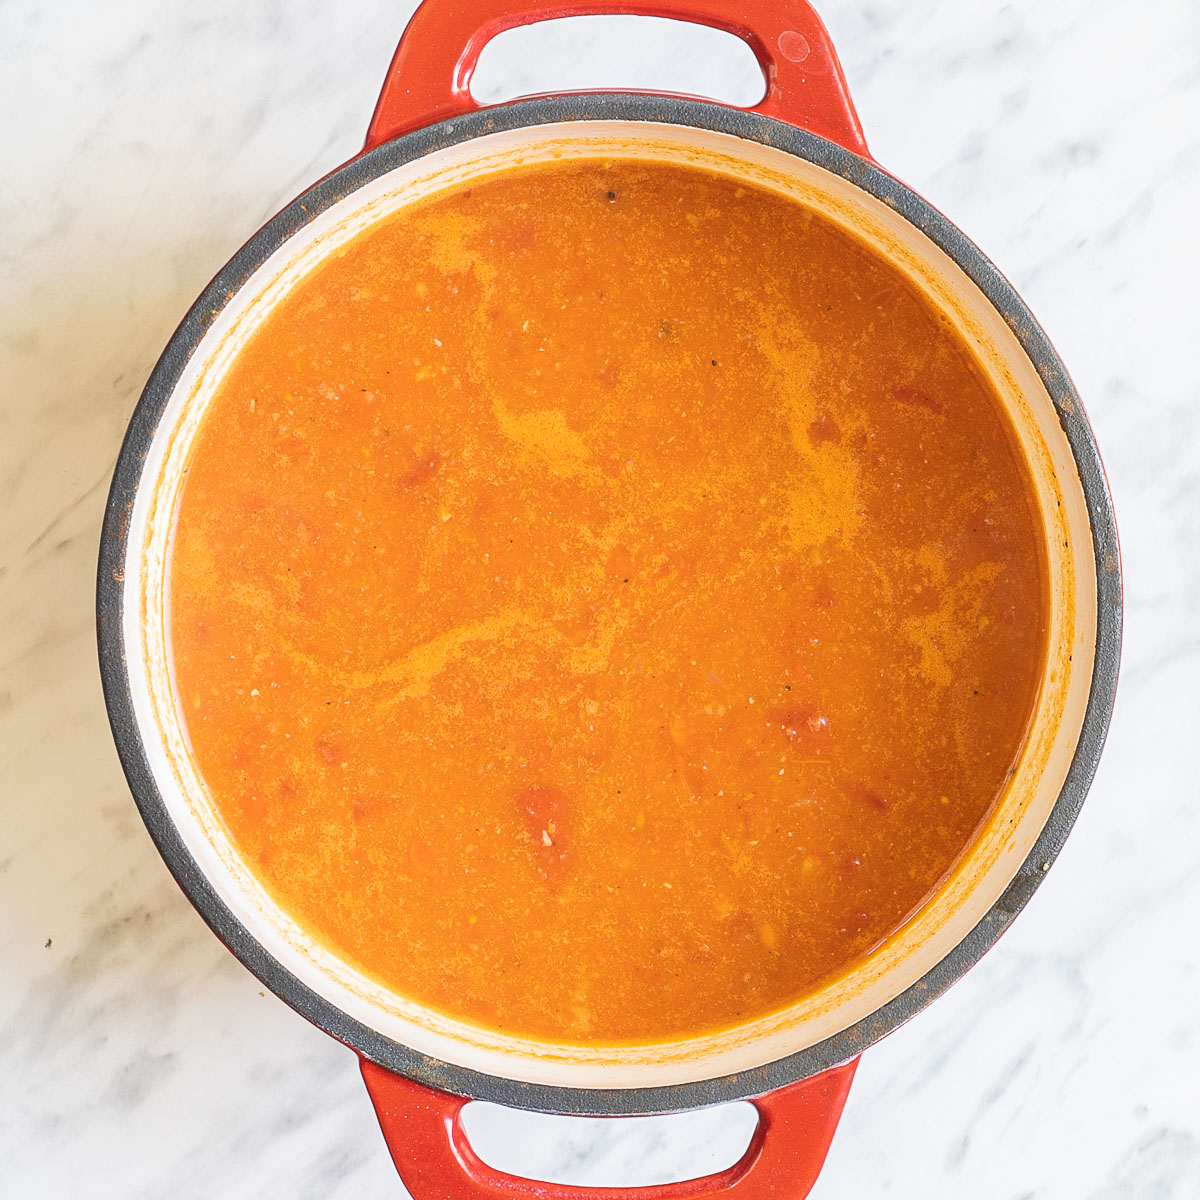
802,139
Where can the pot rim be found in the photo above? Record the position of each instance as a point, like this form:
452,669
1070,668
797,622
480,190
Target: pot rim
679,111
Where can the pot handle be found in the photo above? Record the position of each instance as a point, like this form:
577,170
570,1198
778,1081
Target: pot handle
430,75
424,1132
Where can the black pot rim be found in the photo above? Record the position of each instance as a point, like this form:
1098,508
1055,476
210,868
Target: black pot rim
114,669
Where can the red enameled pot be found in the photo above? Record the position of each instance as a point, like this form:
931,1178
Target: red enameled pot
802,138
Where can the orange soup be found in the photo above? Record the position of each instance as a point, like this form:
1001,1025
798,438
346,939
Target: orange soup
606,601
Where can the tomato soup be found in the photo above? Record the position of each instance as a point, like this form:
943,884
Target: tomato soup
606,600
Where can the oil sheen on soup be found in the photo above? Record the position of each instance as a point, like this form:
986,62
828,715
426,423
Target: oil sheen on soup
606,600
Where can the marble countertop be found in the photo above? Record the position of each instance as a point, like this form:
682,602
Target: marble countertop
141,143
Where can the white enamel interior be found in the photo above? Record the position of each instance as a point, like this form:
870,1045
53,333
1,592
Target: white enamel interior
974,885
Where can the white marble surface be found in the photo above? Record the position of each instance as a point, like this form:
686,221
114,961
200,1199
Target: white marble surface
140,143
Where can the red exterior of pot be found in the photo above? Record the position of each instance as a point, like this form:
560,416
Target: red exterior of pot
424,1133
430,74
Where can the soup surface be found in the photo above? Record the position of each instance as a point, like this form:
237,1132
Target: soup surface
605,601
